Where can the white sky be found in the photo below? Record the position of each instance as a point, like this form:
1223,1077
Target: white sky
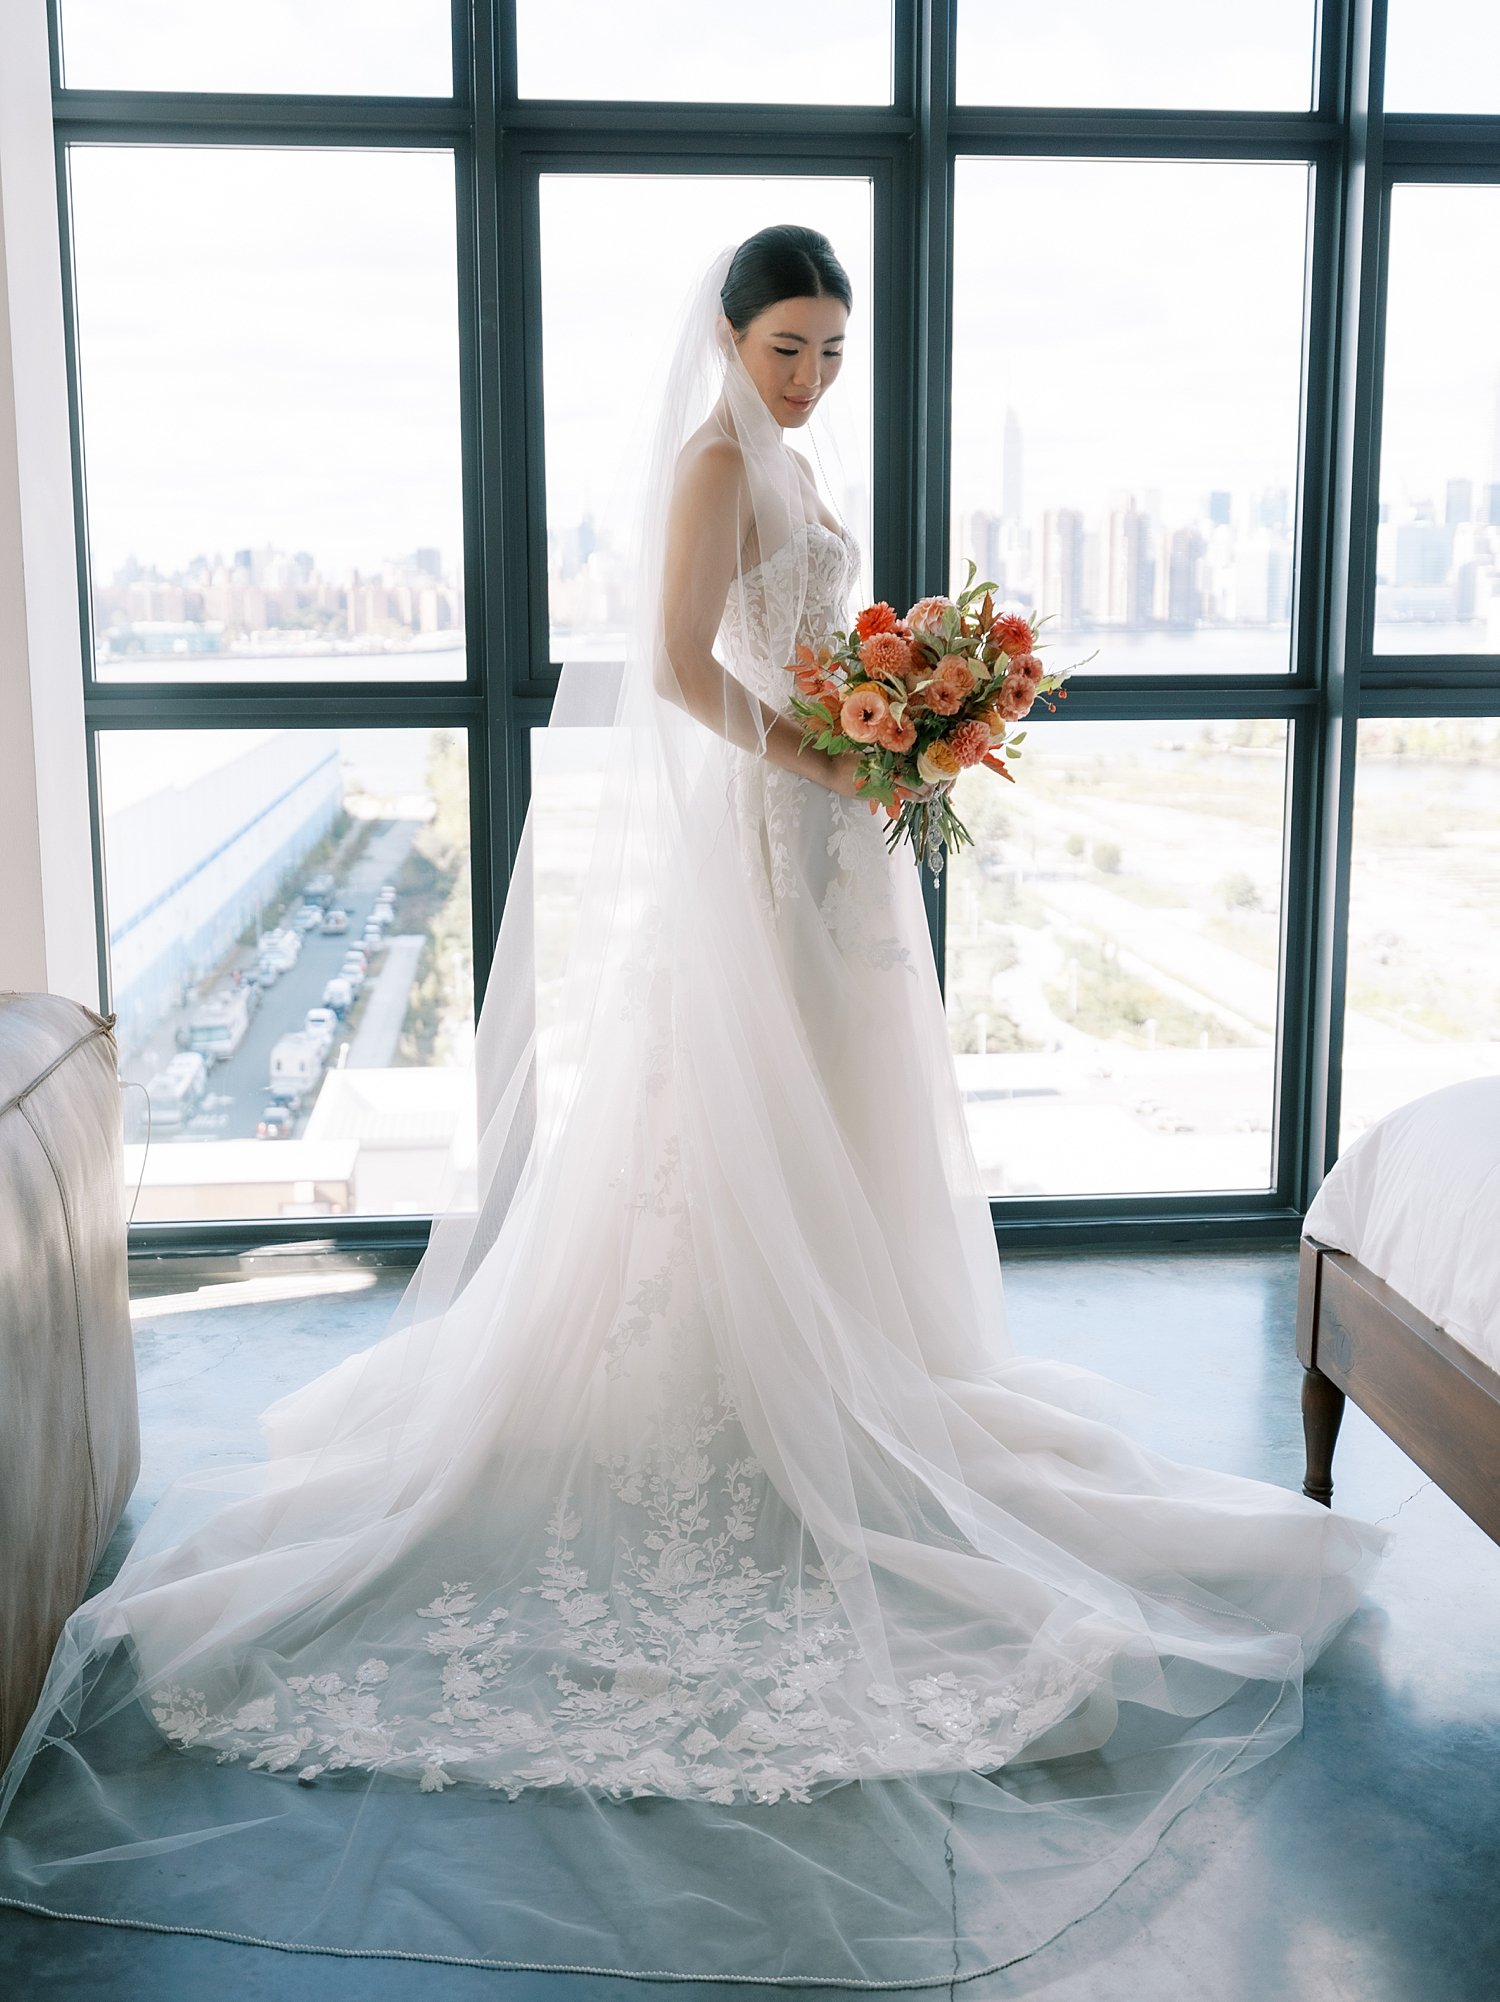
268,337
1442,419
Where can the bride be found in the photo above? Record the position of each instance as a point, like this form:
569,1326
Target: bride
692,1582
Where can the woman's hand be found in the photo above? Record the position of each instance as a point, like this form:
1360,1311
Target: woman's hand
840,772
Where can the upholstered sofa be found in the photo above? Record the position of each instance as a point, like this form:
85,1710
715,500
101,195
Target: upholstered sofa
69,1437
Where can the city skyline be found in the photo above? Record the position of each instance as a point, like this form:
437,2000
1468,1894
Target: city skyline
210,603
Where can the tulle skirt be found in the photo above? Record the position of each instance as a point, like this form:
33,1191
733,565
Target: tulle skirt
708,1590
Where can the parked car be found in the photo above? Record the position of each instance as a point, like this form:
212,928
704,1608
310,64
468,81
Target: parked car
335,919
308,917
191,1067
168,1102
176,1089
374,939
266,973
275,1123
354,974
320,1025
338,994
356,962
296,1065
383,913
387,891
318,889
355,951
284,948
217,1029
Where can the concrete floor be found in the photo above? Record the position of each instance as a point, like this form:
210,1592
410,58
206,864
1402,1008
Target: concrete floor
1361,1864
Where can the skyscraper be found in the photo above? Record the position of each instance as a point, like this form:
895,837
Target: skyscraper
1131,573
1011,489
1184,590
1062,566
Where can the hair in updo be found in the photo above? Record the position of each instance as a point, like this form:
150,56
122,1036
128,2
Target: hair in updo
782,261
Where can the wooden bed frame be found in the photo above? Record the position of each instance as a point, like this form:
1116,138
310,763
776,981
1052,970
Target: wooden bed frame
1357,1337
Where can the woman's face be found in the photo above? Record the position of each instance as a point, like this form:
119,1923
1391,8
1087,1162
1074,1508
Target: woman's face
792,352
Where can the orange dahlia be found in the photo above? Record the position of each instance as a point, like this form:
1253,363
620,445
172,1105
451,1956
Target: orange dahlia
885,653
970,741
1013,633
874,619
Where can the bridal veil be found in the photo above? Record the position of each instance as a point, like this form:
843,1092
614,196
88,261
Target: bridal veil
691,1583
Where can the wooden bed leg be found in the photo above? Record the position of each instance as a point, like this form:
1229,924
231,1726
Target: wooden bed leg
1322,1411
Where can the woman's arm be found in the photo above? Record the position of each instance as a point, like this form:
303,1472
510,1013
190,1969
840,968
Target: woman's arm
702,550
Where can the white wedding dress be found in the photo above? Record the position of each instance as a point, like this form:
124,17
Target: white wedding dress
663,1624
706,1589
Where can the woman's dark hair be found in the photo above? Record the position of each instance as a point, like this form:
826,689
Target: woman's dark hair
782,261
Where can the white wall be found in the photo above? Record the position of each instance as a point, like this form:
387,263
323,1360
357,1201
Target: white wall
47,937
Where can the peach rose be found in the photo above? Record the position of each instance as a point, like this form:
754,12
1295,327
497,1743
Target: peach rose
864,709
938,762
951,685
926,616
896,736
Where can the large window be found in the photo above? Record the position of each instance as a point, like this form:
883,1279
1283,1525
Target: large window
1113,938
1437,579
270,413
1423,1006
639,242
1125,436
1170,315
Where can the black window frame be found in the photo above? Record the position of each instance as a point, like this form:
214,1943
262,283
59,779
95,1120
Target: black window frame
503,144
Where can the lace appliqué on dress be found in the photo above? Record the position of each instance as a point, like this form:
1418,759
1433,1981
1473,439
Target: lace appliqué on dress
856,906
691,1671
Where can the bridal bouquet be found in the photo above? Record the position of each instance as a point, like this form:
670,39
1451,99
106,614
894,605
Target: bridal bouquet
924,697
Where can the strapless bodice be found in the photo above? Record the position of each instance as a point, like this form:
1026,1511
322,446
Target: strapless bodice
832,565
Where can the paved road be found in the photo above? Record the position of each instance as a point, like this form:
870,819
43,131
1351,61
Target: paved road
385,999
237,1087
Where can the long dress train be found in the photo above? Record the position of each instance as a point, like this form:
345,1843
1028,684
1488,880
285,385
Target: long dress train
718,1561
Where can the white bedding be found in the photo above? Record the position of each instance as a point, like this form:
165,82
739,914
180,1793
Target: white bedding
1416,1198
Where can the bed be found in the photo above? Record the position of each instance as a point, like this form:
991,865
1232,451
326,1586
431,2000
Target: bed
1398,1300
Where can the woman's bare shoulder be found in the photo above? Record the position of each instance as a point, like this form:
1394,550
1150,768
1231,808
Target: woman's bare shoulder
710,467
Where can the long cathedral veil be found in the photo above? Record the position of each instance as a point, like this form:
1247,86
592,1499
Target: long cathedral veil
691,1582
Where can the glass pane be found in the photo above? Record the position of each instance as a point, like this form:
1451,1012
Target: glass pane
1442,55
1126,387
641,241
1112,958
1437,552
1158,54
838,52
400,48
1422,1005
270,413
568,767
247,874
